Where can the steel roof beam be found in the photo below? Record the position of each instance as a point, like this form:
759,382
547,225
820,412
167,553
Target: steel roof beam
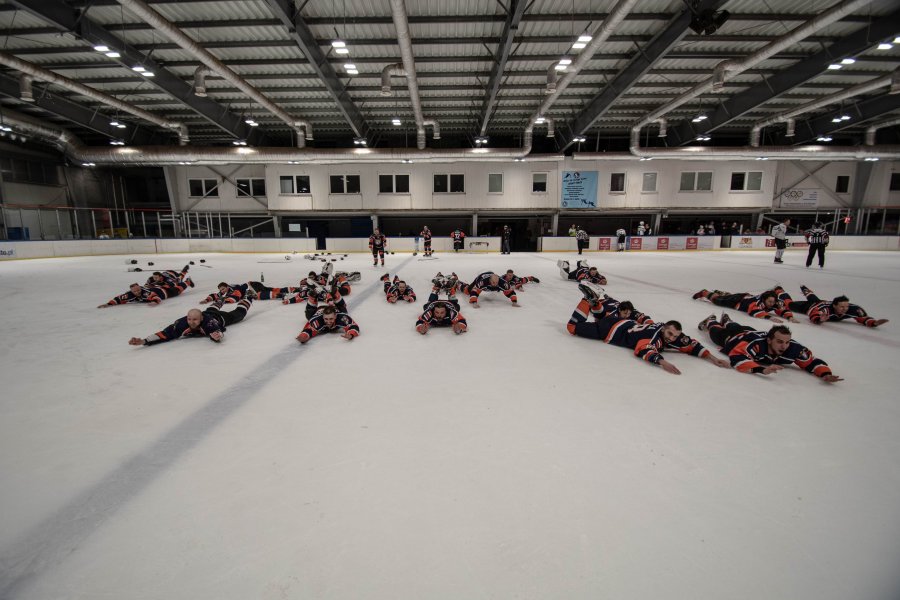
66,19
862,111
640,65
89,118
513,17
302,36
798,75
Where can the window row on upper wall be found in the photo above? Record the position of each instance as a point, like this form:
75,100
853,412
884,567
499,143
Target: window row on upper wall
455,183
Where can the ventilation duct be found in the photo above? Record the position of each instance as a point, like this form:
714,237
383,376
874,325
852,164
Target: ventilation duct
220,155
389,71
872,129
863,88
404,40
555,86
26,93
200,81
168,29
734,67
32,70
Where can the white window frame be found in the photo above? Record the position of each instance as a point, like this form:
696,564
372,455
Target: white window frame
746,181
489,183
294,186
448,180
394,177
344,177
546,175
655,189
624,182
207,193
696,179
251,184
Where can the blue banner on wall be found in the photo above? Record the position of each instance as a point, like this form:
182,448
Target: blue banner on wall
579,189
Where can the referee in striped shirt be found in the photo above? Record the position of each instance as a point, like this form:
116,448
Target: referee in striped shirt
818,239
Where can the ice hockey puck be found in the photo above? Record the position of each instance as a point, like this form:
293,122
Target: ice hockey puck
149,264
203,260
192,262
131,262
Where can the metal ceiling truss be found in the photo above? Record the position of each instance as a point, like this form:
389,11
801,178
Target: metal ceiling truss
515,10
62,16
797,75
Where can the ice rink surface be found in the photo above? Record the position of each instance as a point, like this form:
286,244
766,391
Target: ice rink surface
513,461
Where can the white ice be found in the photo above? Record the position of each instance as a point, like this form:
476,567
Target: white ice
513,461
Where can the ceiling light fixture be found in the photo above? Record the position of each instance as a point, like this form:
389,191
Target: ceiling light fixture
885,46
239,142
698,118
352,72
147,73
871,159
762,158
117,142
138,68
101,48
539,121
845,117
579,139
88,164
848,61
823,138
113,54
703,138
397,121
835,67
360,141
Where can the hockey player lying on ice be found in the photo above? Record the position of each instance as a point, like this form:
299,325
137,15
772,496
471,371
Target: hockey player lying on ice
329,320
821,311
210,323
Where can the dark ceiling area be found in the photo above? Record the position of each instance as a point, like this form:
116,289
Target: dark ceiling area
482,69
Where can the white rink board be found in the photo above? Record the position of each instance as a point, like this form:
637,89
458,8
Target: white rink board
514,461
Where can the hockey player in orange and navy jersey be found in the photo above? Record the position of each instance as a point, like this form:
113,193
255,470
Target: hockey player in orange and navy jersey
210,323
821,311
295,295
446,284
518,282
425,234
377,244
169,277
227,293
329,320
397,289
763,352
320,295
647,341
582,272
491,282
459,239
441,313
761,306
606,306
139,293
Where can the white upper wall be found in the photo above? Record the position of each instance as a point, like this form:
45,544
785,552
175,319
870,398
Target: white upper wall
517,191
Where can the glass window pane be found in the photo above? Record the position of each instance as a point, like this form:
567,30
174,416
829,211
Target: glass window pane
895,182
303,184
687,181
286,183
649,183
737,181
704,181
243,187
385,184
401,184
440,184
538,182
617,182
196,187
754,181
259,187
337,184
495,183
211,188
843,184
458,184
352,184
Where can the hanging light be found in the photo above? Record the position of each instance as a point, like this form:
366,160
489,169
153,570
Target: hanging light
848,61
835,67
239,142
101,48
823,138
885,46
579,139
138,68
699,118
582,41
871,159
396,121
113,54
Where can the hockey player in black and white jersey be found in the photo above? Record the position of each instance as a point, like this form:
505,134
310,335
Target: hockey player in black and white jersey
210,323
621,234
817,237
582,272
582,239
779,232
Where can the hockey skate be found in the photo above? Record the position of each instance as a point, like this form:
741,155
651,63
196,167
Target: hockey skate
724,319
581,264
591,291
701,295
806,291
705,323
563,268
